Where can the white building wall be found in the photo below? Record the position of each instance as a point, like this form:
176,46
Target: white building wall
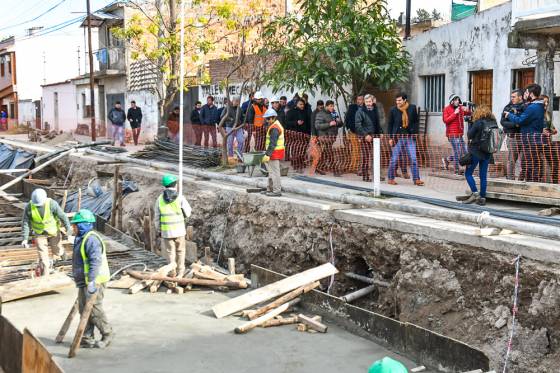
475,43
67,107
26,112
147,101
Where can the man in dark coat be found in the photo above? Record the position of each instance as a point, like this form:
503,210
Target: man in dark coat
515,106
134,116
367,126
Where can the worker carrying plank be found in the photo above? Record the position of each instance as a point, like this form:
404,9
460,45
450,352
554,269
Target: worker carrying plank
44,216
274,152
171,210
90,270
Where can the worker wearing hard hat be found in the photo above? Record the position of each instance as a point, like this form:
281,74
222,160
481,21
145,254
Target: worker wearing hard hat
274,152
255,122
171,210
90,270
43,216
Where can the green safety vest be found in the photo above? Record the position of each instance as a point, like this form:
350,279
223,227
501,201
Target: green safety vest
170,215
104,274
46,223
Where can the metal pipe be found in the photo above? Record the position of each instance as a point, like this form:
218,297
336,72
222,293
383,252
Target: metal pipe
367,280
358,294
551,232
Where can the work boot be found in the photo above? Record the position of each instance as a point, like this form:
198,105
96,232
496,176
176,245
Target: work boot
105,340
87,342
472,198
463,198
418,182
391,182
481,201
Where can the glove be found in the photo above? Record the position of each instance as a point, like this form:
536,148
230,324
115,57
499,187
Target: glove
265,159
25,244
91,289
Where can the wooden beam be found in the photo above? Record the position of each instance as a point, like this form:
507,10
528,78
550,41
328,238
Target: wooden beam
273,290
26,288
313,324
283,299
84,318
64,329
185,281
266,317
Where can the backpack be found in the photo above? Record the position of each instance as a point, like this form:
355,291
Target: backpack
491,137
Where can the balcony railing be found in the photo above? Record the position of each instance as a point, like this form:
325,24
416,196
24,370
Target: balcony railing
112,58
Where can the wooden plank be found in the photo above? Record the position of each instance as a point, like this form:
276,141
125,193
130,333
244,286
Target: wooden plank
266,317
35,356
283,299
274,290
144,283
11,344
523,198
125,282
279,322
26,288
147,276
231,265
84,317
64,329
313,324
544,190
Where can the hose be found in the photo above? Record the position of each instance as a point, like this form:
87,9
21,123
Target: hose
128,266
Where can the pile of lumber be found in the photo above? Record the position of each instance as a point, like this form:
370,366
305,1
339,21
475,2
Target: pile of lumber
272,300
199,275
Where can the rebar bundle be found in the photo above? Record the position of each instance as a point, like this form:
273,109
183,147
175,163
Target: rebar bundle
167,151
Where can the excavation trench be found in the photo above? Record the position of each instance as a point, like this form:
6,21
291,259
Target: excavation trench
461,291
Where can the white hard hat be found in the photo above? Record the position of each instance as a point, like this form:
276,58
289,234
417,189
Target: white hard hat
275,99
270,113
258,95
39,197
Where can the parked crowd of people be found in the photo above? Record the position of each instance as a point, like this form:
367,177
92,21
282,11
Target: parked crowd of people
313,142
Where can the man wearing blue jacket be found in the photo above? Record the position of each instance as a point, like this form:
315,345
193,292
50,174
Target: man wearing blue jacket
91,274
209,118
531,124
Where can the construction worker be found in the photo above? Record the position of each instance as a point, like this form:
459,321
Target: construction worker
255,122
171,210
274,152
44,216
90,270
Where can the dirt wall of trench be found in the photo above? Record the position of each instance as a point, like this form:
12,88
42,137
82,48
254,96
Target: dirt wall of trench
460,291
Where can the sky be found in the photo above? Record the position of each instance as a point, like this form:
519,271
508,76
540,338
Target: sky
17,15
398,6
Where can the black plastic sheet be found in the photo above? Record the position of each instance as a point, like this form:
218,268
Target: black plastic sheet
97,200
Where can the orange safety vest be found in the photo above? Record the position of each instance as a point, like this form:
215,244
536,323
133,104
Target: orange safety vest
259,115
279,150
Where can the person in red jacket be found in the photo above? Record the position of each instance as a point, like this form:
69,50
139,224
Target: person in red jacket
453,117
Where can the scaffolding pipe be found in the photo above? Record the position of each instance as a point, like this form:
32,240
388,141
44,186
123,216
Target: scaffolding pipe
348,198
358,294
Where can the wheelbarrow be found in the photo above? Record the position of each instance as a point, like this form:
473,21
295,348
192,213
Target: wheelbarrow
252,160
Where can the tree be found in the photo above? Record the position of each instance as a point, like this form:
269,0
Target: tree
337,46
436,16
422,15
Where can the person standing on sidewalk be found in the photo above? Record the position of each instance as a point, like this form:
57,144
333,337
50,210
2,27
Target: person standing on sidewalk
327,123
209,118
351,134
403,128
90,270
513,142
117,118
275,149
173,125
196,124
134,116
367,126
453,117
43,216
171,210
230,112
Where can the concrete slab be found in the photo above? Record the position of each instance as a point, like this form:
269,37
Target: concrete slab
515,244
177,333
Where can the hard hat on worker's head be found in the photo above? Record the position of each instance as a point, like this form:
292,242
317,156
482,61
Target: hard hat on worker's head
275,99
258,95
39,197
453,97
270,113
168,180
83,216
387,365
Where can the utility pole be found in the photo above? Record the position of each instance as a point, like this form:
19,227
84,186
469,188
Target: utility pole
407,25
91,75
79,62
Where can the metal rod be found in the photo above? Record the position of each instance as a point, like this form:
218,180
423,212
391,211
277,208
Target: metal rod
181,96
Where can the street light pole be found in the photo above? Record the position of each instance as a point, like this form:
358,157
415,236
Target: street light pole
407,22
91,76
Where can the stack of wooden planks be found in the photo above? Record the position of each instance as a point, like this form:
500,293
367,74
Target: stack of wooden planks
286,294
198,275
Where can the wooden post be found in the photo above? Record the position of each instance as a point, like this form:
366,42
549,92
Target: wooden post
147,233
120,206
231,265
67,323
268,316
207,256
79,199
189,235
115,191
82,325
313,324
64,198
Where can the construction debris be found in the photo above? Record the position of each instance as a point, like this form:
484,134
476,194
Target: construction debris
167,151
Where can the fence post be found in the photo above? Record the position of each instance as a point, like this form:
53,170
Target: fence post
376,167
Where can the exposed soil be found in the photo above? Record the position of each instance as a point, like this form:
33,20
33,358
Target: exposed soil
461,291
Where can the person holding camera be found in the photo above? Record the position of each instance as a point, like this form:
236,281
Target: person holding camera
454,119
515,106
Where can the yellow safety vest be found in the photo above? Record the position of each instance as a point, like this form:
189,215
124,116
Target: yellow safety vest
104,274
46,223
278,152
170,215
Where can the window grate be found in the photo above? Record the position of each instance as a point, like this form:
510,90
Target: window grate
434,93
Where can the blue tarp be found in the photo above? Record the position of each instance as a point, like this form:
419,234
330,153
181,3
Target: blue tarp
15,158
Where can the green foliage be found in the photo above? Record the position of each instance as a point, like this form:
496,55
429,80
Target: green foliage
335,44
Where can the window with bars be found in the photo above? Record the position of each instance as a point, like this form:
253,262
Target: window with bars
434,93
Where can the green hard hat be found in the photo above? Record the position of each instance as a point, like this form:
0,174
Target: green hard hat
387,365
83,216
168,179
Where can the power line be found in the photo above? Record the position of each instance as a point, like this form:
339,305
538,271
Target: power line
35,18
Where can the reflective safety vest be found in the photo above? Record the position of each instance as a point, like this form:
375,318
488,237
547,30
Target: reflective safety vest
46,223
259,115
104,274
171,218
278,152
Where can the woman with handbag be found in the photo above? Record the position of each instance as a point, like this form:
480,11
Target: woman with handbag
483,118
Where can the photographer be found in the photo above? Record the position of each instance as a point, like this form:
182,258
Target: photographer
454,119
512,131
